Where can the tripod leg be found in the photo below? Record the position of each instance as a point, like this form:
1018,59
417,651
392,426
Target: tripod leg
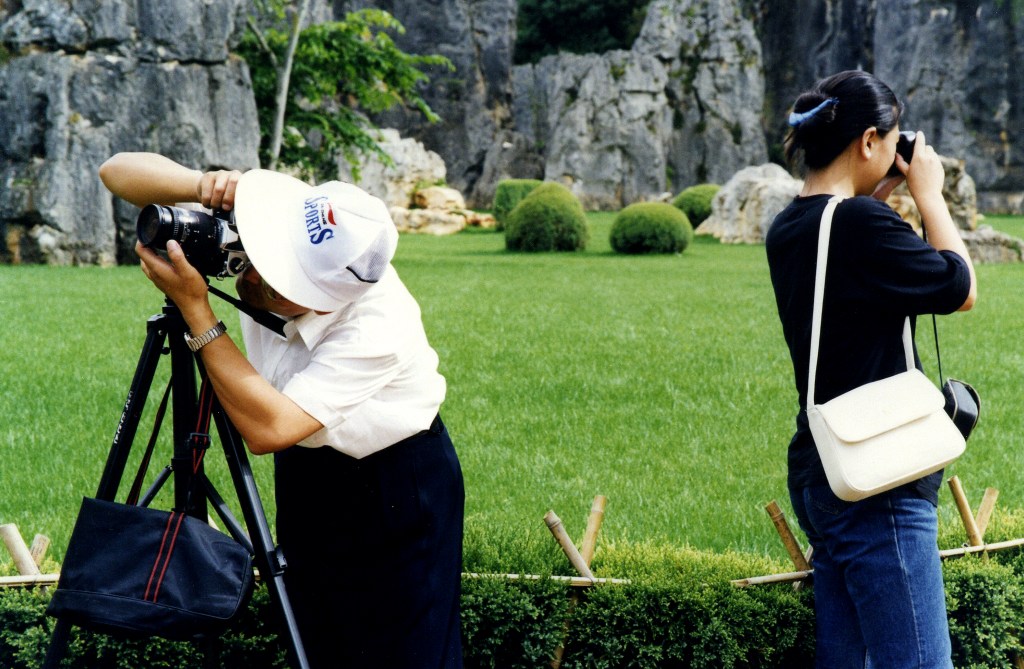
267,558
156,335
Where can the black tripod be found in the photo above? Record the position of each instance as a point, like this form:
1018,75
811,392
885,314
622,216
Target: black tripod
168,329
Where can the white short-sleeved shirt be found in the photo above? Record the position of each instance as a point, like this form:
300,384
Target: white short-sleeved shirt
366,371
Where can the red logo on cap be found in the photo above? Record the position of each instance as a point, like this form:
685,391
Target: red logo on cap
330,215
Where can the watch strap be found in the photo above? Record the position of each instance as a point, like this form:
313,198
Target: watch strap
195,343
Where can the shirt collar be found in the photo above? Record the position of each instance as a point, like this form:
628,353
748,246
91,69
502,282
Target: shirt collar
310,326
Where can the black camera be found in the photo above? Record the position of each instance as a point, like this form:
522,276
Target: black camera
210,242
904,147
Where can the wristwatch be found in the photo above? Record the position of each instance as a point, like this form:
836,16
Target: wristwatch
197,342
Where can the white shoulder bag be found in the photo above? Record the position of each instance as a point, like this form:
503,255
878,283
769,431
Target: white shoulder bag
884,433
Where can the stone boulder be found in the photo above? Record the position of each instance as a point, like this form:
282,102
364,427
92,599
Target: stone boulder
744,208
439,221
94,77
989,246
412,165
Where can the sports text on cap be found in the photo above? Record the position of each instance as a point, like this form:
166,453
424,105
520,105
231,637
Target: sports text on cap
319,214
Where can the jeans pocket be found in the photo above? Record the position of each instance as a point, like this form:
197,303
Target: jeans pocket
822,499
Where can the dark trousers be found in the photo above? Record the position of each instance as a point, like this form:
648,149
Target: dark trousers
374,551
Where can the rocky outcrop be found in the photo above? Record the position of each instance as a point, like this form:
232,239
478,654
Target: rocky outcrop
437,210
96,77
474,100
954,63
715,87
603,122
412,166
682,107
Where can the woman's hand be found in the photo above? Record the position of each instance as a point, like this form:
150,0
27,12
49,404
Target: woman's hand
925,174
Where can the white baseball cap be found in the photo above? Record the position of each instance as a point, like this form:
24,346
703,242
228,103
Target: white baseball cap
320,247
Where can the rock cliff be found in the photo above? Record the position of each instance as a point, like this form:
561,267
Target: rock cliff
94,77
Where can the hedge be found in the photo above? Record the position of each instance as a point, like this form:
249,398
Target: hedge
650,227
679,610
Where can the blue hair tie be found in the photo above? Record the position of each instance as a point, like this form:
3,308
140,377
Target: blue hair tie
796,119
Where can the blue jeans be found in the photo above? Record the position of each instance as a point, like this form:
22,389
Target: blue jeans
878,593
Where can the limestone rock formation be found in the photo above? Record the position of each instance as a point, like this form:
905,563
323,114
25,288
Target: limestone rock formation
954,63
412,165
95,77
715,87
746,205
473,100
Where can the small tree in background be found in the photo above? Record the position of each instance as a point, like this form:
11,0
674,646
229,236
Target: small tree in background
315,86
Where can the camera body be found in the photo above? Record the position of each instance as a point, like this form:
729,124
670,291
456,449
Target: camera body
210,241
904,147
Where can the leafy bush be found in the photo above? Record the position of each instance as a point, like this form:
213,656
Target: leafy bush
508,194
984,601
695,202
550,218
651,227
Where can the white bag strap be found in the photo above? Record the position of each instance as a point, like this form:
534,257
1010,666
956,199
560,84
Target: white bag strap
824,233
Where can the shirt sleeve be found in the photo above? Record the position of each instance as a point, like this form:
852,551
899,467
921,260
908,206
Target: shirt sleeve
898,270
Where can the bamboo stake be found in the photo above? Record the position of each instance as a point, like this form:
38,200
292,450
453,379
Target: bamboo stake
23,561
554,524
572,581
594,521
786,577
26,581
40,544
983,548
786,534
988,505
962,505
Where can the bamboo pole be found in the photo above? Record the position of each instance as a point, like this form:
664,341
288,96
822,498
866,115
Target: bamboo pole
786,577
594,521
786,534
988,505
554,524
964,507
587,549
23,560
983,548
28,580
40,544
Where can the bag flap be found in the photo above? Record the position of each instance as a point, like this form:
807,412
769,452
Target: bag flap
881,406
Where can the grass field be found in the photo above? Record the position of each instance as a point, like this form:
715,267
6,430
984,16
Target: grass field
660,382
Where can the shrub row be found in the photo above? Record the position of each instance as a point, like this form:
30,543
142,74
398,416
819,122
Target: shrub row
539,216
679,610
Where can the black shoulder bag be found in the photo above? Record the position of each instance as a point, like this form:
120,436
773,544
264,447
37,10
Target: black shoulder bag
962,402
132,569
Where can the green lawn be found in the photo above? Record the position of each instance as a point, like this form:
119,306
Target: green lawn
660,382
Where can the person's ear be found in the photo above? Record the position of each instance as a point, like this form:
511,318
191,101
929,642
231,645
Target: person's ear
869,142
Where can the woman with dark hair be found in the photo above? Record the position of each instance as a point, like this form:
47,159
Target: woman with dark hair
878,591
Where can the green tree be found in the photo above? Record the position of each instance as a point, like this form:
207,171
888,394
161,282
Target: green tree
578,26
315,86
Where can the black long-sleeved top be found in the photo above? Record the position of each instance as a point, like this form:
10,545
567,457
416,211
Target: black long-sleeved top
879,272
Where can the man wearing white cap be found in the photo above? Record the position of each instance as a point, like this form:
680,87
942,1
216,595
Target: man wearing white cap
368,486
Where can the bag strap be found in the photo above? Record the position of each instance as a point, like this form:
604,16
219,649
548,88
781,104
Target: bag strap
824,233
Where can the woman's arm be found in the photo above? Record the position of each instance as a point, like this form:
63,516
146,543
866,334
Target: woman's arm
924,179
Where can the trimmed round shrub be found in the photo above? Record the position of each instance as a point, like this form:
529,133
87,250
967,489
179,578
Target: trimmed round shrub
508,194
548,219
695,202
651,227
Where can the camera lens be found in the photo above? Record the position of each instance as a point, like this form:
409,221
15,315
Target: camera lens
199,234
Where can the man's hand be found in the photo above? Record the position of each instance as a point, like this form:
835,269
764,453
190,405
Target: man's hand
216,190
179,281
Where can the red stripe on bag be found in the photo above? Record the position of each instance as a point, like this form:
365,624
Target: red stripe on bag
167,559
159,554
